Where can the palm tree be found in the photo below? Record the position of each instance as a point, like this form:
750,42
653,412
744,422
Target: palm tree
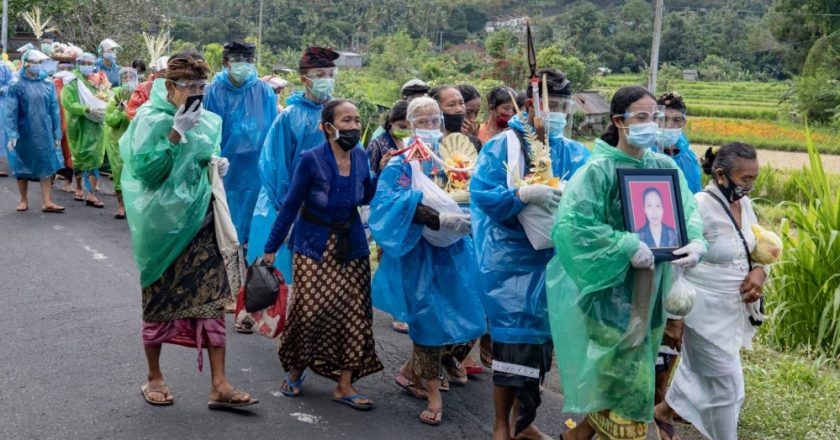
39,28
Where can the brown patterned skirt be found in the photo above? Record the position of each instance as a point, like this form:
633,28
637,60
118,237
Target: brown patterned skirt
329,326
194,286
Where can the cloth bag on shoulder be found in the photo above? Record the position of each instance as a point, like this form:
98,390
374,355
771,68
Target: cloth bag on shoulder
436,198
536,220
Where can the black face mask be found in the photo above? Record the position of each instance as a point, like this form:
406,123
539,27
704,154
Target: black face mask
348,139
453,123
733,192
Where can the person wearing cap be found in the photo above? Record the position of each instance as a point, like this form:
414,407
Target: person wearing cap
293,132
412,89
107,61
141,94
170,158
278,85
33,126
116,122
85,132
247,108
512,272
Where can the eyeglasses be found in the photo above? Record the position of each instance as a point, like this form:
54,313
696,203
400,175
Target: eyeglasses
322,74
193,87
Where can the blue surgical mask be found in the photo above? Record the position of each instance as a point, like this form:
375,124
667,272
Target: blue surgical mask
429,136
242,72
556,123
642,135
86,70
667,137
49,66
322,88
35,69
130,86
110,56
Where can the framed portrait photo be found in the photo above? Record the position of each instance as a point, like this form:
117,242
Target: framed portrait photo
652,205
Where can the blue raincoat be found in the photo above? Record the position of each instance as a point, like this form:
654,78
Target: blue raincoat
511,273
6,76
688,163
247,113
294,131
113,72
32,117
431,288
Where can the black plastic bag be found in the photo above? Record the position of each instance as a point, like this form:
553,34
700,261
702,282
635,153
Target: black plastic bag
262,286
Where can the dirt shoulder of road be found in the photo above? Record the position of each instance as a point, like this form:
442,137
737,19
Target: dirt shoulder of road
785,159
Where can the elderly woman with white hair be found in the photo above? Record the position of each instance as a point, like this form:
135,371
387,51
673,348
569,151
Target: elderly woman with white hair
429,266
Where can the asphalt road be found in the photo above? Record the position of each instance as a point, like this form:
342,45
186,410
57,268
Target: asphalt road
72,363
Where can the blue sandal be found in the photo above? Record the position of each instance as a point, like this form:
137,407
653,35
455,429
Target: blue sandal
292,385
349,401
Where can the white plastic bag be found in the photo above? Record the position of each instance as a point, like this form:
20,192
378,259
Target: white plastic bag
436,198
681,297
536,220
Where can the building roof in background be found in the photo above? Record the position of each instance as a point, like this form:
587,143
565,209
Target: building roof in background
591,103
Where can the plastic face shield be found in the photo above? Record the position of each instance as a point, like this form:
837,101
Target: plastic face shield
655,114
239,58
431,121
193,87
674,119
561,104
322,73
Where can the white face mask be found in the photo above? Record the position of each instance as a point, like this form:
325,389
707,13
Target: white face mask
642,135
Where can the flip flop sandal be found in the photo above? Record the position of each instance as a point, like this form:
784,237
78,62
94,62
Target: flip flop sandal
667,427
410,387
292,385
147,389
456,375
22,210
436,421
79,198
400,327
4,174
54,209
228,403
97,204
444,385
486,358
349,401
474,370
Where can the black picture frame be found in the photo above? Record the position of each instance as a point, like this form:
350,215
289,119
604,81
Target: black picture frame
630,200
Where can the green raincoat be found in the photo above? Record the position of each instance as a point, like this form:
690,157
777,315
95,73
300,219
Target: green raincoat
607,318
116,122
166,187
85,136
